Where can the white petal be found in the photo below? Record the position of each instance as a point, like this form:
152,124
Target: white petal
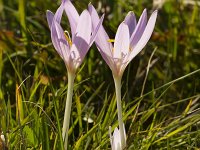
82,37
84,27
117,139
121,45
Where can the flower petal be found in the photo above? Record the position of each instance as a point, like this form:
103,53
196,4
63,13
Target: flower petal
145,36
72,15
130,20
50,16
102,38
95,31
57,16
139,29
84,27
59,12
81,40
117,140
121,45
60,43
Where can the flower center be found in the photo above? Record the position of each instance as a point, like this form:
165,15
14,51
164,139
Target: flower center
112,41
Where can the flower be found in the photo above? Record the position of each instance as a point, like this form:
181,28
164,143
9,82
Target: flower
115,140
72,50
130,39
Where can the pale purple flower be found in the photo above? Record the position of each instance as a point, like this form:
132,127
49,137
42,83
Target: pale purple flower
130,39
72,50
115,139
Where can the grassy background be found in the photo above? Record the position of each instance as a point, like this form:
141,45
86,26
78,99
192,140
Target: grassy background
161,86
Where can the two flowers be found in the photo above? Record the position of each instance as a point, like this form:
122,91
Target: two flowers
130,39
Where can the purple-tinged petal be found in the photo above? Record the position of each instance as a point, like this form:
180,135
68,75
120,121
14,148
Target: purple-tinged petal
130,20
102,39
139,29
59,41
54,38
57,16
145,36
59,12
50,16
81,40
121,45
72,15
95,31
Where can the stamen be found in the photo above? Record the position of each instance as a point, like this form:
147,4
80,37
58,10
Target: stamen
111,40
66,33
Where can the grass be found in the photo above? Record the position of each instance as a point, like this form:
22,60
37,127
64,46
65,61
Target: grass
160,88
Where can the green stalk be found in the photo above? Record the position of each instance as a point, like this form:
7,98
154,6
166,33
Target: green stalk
71,77
117,81
22,16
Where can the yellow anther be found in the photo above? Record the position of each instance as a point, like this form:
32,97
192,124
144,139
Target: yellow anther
111,40
68,38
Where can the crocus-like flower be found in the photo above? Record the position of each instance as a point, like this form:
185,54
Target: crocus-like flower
115,139
71,50
130,39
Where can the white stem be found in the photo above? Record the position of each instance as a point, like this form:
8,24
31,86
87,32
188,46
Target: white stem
68,105
119,110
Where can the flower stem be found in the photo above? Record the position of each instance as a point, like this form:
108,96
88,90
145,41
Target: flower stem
68,105
119,110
